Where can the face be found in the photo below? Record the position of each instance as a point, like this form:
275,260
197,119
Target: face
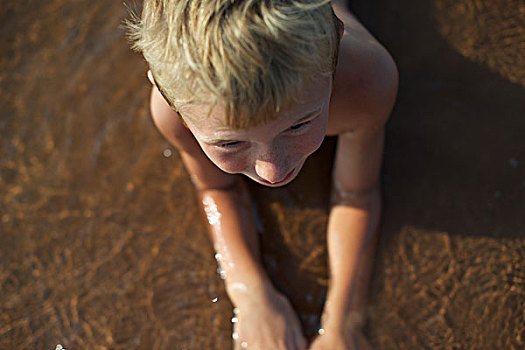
271,154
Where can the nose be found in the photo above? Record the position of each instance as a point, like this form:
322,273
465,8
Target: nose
270,170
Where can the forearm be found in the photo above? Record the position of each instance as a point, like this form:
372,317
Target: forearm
234,236
351,237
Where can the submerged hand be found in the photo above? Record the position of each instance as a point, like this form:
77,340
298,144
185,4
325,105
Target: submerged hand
338,340
266,321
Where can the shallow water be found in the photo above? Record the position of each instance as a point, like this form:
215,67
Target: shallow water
102,244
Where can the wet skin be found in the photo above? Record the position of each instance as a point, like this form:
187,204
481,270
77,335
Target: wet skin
355,108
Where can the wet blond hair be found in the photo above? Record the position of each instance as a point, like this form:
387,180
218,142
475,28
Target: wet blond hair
252,57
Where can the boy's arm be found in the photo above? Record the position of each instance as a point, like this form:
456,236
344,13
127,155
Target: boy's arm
266,317
366,85
352,230
352,226
231,226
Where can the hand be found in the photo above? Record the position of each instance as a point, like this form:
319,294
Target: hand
339,340
266,321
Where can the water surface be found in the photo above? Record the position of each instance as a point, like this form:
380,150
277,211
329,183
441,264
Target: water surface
102,245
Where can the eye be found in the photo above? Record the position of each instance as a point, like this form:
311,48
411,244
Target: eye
230,145
300,126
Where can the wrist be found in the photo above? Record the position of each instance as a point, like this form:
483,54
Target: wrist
348,322
340,314
256,288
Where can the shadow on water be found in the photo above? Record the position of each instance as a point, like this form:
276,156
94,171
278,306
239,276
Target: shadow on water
450,263
102,244
455,142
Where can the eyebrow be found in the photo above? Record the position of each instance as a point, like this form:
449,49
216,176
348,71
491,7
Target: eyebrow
308,115
299,121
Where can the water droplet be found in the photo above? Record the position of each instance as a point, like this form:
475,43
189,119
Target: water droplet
211,211
235,320
218,256
214,300
244,345
220,270
235,336
235,311
167,153
320,331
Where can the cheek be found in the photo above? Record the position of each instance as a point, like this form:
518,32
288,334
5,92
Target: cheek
308,143
229,163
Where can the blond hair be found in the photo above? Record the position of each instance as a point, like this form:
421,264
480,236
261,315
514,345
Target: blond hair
250,56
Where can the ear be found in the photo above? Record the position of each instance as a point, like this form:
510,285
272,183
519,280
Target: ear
150,78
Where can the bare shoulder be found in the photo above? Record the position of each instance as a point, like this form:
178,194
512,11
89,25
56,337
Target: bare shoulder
169,123
204,174
365,84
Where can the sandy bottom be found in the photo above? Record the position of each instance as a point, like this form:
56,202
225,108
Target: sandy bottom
101,242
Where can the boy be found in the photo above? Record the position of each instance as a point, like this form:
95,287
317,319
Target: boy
252,87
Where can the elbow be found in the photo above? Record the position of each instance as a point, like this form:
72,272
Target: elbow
388,79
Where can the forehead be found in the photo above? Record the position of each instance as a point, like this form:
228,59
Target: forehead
201,116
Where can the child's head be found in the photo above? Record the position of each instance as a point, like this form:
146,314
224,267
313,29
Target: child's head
270,153
250,57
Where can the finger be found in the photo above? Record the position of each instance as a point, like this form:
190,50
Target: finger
299,339
295,340
289,343
300,342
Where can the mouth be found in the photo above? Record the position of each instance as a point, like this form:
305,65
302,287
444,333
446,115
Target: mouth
280,182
